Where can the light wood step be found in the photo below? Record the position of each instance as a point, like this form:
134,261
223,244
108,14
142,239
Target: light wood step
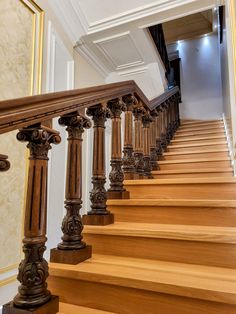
203,245
214,145
131,285
193,154
172,211
201,122
195,163
199,139
179,188
202,134
200,129
193,173
66,308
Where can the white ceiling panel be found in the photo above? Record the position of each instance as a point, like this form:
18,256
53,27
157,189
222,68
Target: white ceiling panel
120,50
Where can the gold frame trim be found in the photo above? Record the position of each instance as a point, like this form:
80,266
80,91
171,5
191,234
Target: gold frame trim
37,45
7,281
8,268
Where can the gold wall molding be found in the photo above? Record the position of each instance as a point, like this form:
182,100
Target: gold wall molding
37,49
7,281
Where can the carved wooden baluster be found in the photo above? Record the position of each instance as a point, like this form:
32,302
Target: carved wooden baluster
153,138
168,122
4,163
138,112
178,98
146,120
116,176
158,134
128,158
98,215
33,269
163,127
72,249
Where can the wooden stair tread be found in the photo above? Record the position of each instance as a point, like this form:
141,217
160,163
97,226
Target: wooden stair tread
203,133
200,129
203,282
66,308
173,202
201,122
197,144
198,138
180,181
197,170
196,151
167,231
179,161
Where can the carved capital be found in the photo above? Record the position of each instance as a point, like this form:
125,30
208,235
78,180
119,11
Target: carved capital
146,119
4,163
116,107
99,113
129,101
40,139
138,111
154,113
75,123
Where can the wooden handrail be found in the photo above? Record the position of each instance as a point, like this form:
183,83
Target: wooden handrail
21,112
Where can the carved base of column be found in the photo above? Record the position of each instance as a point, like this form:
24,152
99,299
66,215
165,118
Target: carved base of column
98,220
118,195
51,307
138,176
129,175
72,257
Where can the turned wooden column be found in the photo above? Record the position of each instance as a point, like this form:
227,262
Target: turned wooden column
128,156
147,168
33,269
116,176
138,112
98,215
168,121
163,131
158,132
153,138
4,163
72,249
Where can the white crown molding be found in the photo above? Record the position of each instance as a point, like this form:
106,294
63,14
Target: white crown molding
82,48
135,14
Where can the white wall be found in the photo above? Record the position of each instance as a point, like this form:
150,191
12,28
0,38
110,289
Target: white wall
200,78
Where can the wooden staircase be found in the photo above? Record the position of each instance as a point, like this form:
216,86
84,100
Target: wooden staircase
172,248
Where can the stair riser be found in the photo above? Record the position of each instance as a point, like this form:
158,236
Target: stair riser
204,216
204,191
196,147
194,135
119,299
204,141
196,155
194,175
195,165
180,251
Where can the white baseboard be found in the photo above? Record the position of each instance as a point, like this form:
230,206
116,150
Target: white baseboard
230,144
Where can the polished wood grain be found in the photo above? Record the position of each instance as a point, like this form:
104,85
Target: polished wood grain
25,111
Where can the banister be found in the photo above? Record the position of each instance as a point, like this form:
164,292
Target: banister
149,128
21,112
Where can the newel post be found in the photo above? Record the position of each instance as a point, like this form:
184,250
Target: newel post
138,112
33,269
147,168
98,215
4,163
72,249
116,176
128,152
